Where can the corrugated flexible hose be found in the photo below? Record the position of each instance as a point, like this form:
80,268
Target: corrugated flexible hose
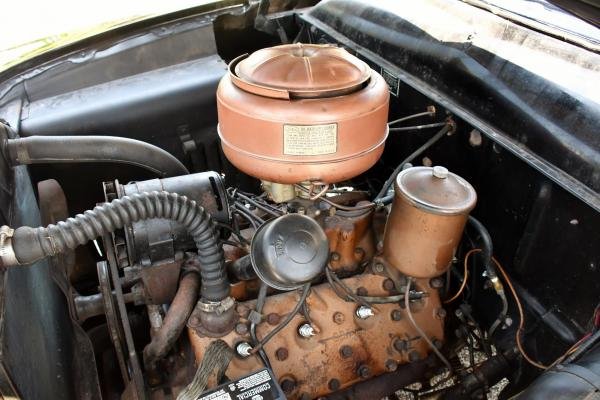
31,244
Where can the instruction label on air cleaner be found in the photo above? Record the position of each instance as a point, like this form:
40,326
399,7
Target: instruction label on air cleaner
257,386
309,140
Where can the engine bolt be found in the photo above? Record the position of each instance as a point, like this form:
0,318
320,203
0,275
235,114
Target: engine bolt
362,291
288,385
338,318
414,356
359,253
396,315
281,354
364,312
378,268
436,283
241,329
400,345
388,285
334,384
243,349
441,313
364,371
391,365
273,319
335,256
306,330
346,351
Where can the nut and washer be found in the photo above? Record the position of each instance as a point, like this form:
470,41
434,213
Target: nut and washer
306,330
364,312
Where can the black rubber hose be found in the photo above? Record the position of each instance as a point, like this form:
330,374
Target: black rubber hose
32,244
486,245
88,149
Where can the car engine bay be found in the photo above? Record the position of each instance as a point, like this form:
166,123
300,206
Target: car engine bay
242,205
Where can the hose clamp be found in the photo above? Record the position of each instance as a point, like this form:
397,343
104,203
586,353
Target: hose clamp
7,253
217,307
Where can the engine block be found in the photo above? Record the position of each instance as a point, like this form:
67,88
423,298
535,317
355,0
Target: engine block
345,348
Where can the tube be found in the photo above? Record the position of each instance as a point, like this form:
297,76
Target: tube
87,149
26,245
174,321
448,128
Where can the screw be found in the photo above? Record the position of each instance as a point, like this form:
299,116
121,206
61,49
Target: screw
359,253
273,319
346,351
364,371
338,318
288,385
414,356
362,291
436,283
507,322
388,285
334,384
281,354
441,313
391,365
396,315
378,268
335,256
364,312
241,329
306,330
243,349
400,345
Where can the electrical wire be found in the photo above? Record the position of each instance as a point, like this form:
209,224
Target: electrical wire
520,329
465,276
336,205
287,320
418,328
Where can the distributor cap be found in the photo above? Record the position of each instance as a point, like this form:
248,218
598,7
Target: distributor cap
289,251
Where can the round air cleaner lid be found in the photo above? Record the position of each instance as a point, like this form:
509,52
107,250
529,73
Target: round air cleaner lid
436,190
301,70
289,251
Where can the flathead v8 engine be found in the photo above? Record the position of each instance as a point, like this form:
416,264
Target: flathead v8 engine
312,279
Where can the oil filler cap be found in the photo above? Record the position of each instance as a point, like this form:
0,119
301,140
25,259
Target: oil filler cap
289,251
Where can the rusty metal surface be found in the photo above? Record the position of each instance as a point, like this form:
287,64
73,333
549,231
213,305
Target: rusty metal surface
426,222
160,282
356,125
351,240
346,349
175,320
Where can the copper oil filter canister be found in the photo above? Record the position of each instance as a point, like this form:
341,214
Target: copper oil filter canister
428,216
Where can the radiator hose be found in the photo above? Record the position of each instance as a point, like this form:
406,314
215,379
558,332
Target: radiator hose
26,245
